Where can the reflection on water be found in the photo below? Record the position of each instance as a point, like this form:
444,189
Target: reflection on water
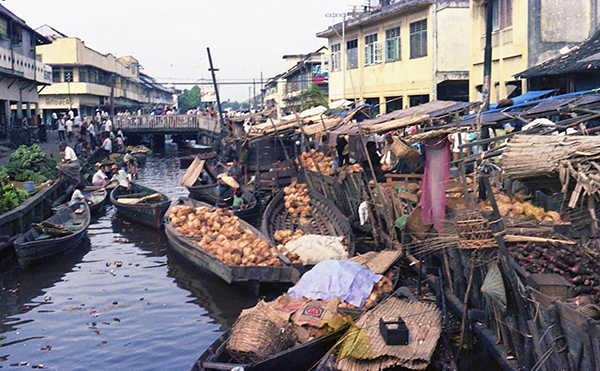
119,301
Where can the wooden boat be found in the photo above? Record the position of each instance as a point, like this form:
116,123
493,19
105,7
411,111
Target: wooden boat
35,245
95,198
189,251
252,208
206,186
326,219
148,213
299,358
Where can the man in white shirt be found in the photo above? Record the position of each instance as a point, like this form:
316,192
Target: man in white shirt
69,128
71,115
69,166
107,145
54,120
99,179
61,130
108,126
92,131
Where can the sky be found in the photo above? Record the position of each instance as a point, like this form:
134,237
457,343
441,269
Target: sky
169,38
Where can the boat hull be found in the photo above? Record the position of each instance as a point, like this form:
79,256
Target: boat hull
150,215
31,251
199,258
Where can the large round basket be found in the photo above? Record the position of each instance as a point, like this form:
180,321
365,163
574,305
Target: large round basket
259,333
405,151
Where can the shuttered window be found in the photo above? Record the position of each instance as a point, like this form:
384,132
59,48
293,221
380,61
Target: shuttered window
392,44
418,39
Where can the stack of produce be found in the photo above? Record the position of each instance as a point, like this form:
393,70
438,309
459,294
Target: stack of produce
573,262
297,200
113,158
325,163
517,208
223,236
29,164
139,148
380,289
356,168
11,196
283,237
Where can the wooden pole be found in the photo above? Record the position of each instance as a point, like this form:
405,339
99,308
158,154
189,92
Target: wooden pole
214,79
487,69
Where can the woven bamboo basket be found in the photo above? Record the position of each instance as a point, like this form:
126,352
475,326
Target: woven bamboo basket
404,151
258,334
414,225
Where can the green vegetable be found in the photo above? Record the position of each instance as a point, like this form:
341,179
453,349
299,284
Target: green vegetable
11,196
29,163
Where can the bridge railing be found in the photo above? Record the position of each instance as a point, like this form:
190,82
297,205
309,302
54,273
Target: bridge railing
167,122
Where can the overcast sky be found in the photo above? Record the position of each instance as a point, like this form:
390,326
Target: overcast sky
169,38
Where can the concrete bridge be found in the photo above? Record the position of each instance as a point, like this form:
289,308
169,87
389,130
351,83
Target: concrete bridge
153,128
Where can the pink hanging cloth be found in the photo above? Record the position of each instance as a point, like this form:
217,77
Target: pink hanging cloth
435,179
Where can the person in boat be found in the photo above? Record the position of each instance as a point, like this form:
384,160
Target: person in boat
121,177
239,202
69,167
99,179
77,193
130,165
227,187
235,170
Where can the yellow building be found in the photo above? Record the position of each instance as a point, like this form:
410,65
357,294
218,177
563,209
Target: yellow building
20,72
401,54
84,80
525,33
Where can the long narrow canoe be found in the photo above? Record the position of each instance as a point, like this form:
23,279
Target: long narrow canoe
299,358
186,247
95,198
147,213
34,246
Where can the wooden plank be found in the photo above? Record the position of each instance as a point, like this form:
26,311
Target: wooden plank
192,173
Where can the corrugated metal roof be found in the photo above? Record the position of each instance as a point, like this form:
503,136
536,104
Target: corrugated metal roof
582,58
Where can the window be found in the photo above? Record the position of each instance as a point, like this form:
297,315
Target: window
415,100
336,55
372,50
393,104
352,53
56,75
418,39
82,75
501,14
392,44
68,74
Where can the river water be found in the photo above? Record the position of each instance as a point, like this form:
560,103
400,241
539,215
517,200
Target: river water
120,301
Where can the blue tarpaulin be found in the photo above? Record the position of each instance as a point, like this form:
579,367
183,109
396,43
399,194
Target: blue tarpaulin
530,95
349,281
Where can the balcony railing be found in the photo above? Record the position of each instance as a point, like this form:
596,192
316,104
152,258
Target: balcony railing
20,65
167,123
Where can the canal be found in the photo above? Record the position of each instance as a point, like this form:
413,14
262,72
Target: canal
120,301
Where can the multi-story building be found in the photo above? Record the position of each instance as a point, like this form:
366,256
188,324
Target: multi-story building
303,71
20,72
85,80
401,54
525,33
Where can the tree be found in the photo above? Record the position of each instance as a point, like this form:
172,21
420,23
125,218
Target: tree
188,99
312,97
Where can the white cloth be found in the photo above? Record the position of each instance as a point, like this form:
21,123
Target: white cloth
99,176
71,115
77,121
69,126
363,212
61,125
70,154
107,145
108,125
91,129
77,196
54,116
314,249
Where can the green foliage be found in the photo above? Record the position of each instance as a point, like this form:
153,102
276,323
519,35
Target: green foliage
11,196
313,97
29,163
188,99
